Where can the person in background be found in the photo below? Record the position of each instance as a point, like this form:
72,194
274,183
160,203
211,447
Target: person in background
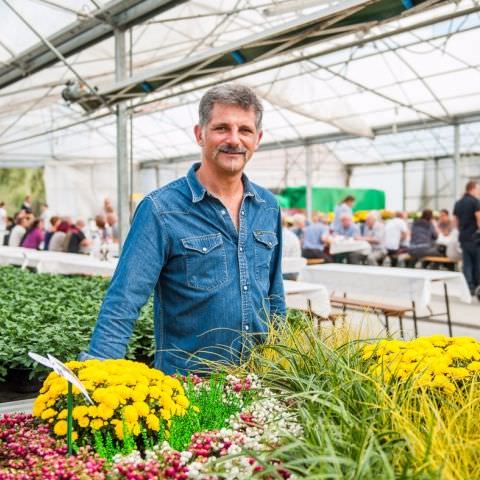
344,207
445,223
18,231
34,235
423,238
57,242
27,204
101,225
8,230
3,217
299,222
467,218
374,234
290,246
348,229
396,233
54,223
45,214
75,239
112,226
315,240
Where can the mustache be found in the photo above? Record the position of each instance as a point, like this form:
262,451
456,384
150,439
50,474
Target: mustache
230,149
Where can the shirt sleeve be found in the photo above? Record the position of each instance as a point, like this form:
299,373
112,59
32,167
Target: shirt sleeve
276,293
136,275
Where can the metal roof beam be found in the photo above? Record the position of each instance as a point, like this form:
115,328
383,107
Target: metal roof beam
82,34
472,117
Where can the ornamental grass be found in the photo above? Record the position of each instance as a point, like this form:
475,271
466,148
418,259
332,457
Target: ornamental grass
359,422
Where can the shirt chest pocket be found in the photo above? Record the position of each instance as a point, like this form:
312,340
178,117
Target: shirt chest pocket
205,261
264,244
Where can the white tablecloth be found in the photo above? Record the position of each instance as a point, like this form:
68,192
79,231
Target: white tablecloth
293,264
347,245
394,285
57,262
297,293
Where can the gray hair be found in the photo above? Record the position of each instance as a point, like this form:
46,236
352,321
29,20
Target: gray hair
230,94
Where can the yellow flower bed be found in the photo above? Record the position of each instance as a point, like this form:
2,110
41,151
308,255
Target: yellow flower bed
127,395
435,362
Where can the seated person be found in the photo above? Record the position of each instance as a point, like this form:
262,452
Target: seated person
290,247
424,235
348,229
54,223
396,234
374,234
75,238
57,241
316,237
18,231
34,235
444,223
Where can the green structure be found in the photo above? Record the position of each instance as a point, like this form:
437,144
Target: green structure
324,199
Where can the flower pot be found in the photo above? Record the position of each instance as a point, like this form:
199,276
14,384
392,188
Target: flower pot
19,380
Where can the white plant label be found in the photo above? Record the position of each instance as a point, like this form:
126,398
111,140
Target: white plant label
61,369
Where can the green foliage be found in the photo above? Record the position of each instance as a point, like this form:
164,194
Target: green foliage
107,447
215,405
346,414
55,314
15,183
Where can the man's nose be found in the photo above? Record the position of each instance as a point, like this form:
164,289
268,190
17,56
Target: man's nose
233,137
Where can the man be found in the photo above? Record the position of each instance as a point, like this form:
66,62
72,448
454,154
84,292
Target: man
348,229
444,223
467,218
343,208
75,240
209,244
374,234
396,234
316,238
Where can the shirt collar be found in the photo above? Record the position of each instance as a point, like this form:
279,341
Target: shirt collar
198,190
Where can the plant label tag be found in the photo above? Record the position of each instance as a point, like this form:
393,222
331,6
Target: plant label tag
61,369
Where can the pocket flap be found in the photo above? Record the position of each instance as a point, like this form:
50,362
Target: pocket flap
269,239
204,243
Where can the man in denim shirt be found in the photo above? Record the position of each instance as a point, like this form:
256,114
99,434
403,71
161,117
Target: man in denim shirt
208,244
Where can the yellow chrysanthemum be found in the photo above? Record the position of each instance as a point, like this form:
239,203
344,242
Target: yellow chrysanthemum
48,413
153,423
142,408
96,424
130,414
60,428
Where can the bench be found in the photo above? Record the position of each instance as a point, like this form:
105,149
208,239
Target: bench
448,262
315,261
387,310
316,318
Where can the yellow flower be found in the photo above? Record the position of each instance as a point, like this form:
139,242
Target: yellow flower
96,424
62,415
196,409
182,400
142,408
153,423
474,366
119,430
130,414
48,413
60,428
104,411
79,412
83,422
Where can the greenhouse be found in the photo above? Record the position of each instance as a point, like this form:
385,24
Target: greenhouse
239,239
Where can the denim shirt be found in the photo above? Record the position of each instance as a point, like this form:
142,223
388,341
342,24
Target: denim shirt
215,288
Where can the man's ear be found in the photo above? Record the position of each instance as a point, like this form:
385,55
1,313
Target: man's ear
197,130
260,135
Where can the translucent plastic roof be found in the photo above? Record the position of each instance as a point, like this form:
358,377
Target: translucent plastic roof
357,83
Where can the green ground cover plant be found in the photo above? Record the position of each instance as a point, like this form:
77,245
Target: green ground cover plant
55,314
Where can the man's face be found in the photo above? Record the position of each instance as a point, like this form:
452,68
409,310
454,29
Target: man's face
229,139
346,221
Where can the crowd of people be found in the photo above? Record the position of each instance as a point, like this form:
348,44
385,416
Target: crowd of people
396,241
47,231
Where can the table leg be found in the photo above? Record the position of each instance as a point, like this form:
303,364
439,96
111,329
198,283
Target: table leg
447,304
415,325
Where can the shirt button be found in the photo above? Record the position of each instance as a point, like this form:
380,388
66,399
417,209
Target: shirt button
269,244
245,287
246,327
204,249
224,212
241,249
243,212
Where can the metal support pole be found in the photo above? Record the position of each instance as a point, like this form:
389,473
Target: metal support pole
404,186
456,161
435,176
308,180
123,194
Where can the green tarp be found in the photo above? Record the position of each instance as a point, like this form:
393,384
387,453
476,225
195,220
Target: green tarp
324,199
